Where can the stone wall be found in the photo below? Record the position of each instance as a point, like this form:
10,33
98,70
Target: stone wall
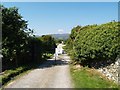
112,71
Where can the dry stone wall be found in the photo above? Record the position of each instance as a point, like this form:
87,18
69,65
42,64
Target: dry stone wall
112,71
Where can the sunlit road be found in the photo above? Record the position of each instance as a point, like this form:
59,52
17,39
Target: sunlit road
48,75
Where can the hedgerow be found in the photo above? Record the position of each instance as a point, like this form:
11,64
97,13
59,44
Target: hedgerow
96,43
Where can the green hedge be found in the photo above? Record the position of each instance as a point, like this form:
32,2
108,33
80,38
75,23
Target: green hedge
97,42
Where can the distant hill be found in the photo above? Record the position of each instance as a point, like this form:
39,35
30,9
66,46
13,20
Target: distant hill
60,36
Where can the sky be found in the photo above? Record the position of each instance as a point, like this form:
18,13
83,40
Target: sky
61,17
60,0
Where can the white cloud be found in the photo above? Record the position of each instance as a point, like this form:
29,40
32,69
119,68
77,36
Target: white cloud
60,31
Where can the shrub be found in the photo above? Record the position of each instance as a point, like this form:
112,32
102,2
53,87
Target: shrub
97,43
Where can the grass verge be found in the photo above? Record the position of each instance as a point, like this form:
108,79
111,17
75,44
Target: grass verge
89,78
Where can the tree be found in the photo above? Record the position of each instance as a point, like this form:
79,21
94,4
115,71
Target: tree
48,44
15,35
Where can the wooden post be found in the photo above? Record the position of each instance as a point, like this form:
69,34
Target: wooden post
55,54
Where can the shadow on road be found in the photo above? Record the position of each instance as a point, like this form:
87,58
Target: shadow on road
51,63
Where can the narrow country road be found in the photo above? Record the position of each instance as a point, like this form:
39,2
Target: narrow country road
48,75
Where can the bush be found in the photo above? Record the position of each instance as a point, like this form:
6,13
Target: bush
96,43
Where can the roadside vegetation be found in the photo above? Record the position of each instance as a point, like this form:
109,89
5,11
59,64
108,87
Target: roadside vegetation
21,49
93,46
94,43
85,77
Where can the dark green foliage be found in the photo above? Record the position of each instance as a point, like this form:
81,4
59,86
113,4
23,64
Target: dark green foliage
95,42
19,45
48,44
15,37
35,49
59,41
70,41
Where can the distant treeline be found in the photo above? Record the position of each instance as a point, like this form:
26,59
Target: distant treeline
94,43
60,36
19,44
